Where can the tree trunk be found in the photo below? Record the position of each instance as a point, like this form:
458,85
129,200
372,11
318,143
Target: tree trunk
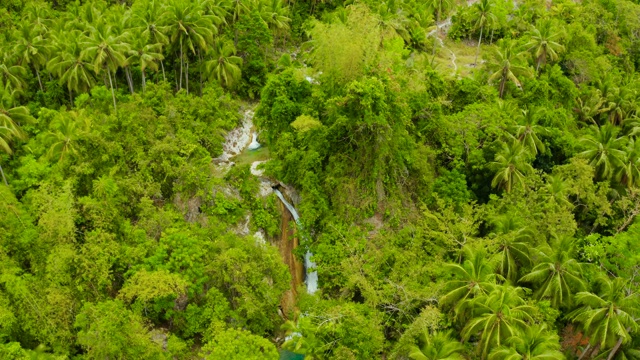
435,39
491,40
201,67
503,82
144,83
181,62
615,349
584,352
186,76
162,66
479,42
542,56
113,94
70,98
3,178
39,80
127,73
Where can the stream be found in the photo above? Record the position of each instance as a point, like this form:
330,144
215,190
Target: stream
244,137
311,279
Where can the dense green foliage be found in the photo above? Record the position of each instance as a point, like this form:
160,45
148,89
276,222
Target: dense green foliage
468,177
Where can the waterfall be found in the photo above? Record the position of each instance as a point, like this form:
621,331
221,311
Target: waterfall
254,143
311,277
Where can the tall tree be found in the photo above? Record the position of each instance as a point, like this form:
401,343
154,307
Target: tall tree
536,342
188,26
629,171
437,346
66,131
224,66
557,275
609,316
10,119
70,64
147,16
474,277
505,65
543,44
12,77
484,16
31,48
511,166
440,7
604,149
527,129
106,51
497,317
514,241
144,54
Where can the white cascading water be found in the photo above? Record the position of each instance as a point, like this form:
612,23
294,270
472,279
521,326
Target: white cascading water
312,277
255,145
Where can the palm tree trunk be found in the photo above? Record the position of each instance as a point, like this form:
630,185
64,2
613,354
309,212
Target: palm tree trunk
70,98
479,42
503,82
200,65
615,349
3,178
181,62
584,352
127,73
186,75
162,66
113,94
144,84
541,58
491,40
39,80
435,38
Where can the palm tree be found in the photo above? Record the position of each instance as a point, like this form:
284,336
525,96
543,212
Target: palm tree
484,16
146,55
440,7
511,166
148,16
274,13
438,346
31,47
38,15
621,104
474,277
10,119
107,51
70,63
66,130
610,316
590,106
497,317
514,241
556,189
224,66
527,129
504,66
604,149
558,275
186,25
239,7
629,172
534,343
543,44
12,77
